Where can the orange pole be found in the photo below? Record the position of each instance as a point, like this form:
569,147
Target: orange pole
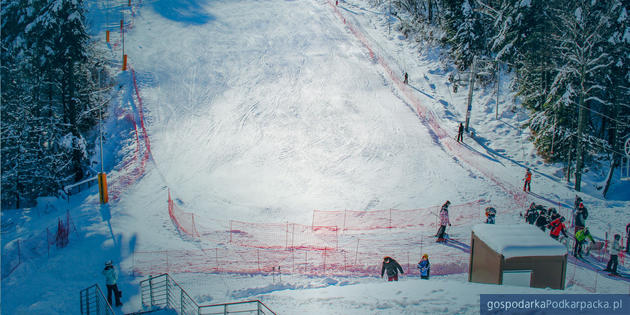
107,36
124,68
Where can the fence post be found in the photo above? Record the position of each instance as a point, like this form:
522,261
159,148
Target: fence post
356,253
181,300
151,289
258,254
225,309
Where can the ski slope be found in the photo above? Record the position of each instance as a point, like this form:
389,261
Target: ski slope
263,112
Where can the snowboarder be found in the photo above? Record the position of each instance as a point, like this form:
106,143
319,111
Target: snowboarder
406,78
628,238
490,214
425,267
392,267
580,237
111,276
443,221
556,227
528,179
460,133
614,253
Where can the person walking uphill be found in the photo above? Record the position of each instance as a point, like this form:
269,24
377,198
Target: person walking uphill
460,133
392,267
528,180
111,276
425,267
580,217
443,221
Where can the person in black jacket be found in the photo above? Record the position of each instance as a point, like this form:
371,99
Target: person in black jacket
392,267
580,217
628,238
542,220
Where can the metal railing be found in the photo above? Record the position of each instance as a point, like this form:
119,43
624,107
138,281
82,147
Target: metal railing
163,292
93,302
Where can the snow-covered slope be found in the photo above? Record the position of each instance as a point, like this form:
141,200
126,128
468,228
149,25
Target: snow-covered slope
262,112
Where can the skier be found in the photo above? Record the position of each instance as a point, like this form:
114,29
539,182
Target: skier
392,267
406,78
443,221
528,179
425,267
111,276
460,133
614,253
580,217
554,213
628,238
490,214
542,220
580,237
532,214
577,202
556,227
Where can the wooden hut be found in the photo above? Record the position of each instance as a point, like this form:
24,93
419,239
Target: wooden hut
519,254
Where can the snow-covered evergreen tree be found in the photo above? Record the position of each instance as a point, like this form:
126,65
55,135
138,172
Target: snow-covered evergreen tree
47,97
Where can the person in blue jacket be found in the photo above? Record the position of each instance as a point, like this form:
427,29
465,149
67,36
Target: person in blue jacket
425,267
111,276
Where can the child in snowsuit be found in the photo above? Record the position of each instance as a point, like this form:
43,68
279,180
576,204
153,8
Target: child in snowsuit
490,214
392,267
110,280
580,237
425,267
528,179
443,221
614,253
556,227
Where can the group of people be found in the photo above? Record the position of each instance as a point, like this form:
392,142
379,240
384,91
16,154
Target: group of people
549,218
546,218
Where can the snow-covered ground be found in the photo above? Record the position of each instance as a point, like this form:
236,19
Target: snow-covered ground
262,112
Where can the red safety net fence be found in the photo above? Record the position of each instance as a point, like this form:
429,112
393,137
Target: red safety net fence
42,244
341,262
353,220
283,235
184,221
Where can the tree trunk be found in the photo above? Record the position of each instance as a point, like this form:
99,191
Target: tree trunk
613,164
579,159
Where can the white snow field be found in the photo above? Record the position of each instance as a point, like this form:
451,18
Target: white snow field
266,119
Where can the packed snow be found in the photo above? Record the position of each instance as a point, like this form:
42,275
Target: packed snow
518,240
263,112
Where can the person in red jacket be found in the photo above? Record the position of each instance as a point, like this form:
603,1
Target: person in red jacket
557,226
528,179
